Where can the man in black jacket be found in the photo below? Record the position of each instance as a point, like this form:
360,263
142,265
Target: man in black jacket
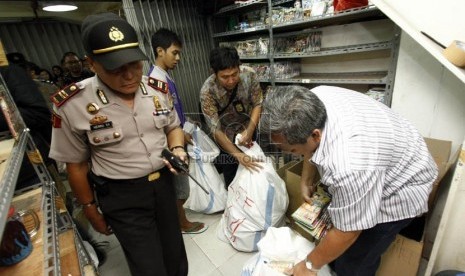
36,116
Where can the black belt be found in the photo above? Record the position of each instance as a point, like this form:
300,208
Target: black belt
147,178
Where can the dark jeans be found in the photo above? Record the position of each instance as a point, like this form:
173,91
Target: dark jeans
364,256
143,215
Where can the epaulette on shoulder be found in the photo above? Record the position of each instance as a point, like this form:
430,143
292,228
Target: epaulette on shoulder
158,85
60,97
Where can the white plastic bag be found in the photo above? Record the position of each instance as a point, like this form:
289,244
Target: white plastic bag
204,148
256,201
202,153
279,245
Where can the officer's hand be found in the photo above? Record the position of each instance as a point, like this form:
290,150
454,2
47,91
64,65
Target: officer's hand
179,152
301,270
307,190
97,220
251,164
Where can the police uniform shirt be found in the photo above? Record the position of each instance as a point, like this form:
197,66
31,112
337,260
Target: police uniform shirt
157,74
121,143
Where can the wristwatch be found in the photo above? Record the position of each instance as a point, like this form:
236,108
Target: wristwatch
309,265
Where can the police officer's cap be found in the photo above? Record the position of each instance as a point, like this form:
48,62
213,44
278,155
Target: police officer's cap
110,40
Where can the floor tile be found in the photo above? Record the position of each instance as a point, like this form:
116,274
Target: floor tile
214,273
233,266
199,264
217,251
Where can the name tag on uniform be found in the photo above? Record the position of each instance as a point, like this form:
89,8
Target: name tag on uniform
104,125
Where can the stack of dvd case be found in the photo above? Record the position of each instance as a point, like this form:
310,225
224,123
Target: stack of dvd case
313,217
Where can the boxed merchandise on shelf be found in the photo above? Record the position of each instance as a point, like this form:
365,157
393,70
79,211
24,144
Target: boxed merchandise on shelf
376,93
249,48
262,70
286,69
282,70
247,20
282,15
300,43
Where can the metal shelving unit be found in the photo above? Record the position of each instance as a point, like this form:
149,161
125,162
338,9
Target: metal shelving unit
337,78
8,181
248,31
241,7
23,143
342,17
338,50
386,50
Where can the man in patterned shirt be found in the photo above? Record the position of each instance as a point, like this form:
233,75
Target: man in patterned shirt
375,163
231,103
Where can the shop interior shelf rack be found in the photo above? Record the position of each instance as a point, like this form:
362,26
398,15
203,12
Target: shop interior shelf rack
360,49
21,142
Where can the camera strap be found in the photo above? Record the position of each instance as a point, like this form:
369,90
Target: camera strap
231,98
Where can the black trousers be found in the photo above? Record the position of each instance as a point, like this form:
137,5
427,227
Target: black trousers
228,165
364,256
144,218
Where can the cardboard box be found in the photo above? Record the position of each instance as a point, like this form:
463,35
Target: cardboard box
293,177
401,258
440,150
293,189
291,174
292,181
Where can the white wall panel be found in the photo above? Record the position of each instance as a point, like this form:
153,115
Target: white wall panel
429,95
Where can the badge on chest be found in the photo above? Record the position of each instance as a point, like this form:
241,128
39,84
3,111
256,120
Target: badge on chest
159,108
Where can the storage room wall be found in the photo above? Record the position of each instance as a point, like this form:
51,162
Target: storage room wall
353,34
433,98
43,42
184,18
428,94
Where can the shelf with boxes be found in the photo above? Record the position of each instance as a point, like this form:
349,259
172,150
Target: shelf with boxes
355,48
46,249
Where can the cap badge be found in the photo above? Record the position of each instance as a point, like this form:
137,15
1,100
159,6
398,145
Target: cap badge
115,34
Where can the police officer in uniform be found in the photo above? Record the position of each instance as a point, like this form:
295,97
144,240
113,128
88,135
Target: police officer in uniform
110,130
